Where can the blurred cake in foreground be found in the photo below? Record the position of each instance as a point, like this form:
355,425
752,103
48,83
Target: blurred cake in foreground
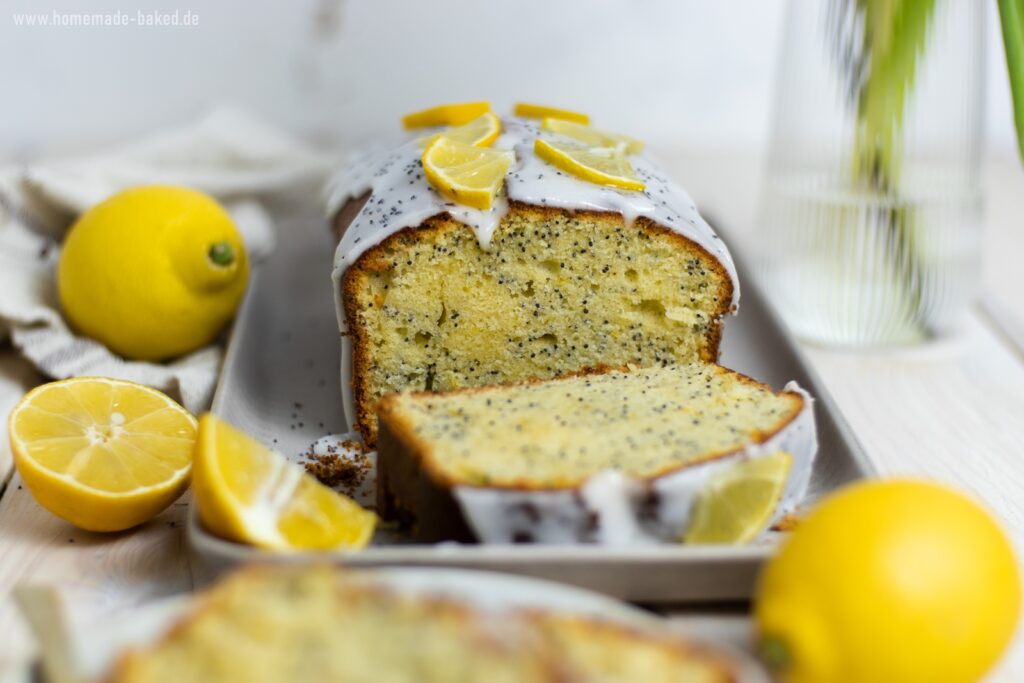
513,249
318,624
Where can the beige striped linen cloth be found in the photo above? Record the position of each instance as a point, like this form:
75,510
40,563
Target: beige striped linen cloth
228,153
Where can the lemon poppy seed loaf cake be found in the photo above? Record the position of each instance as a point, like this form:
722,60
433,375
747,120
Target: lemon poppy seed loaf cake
558,274
316,623
614,457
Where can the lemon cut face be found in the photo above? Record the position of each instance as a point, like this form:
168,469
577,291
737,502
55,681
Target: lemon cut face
466,174
593,137
104,454
247,493
480,132
600,165
737,503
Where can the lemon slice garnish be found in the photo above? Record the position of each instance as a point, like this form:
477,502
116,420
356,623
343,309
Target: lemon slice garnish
601,165
737,504
480,132
593,136
247,493
540,111
466,174
104,454
446,115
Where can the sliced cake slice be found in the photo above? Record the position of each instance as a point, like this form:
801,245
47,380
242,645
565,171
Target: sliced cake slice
613,456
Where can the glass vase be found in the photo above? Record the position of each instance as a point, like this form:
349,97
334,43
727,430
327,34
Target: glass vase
871,206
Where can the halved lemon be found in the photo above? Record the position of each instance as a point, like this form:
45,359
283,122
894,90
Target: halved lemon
446,115
104,454
480,132
593,136
466,174
601,165
541,111
247,493
737,504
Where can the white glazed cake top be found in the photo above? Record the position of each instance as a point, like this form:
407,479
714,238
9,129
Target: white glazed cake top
401,197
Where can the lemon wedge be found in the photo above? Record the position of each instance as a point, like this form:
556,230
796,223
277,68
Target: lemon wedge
103,454
737,503
593,137
247,493
601,165
540,111
466,174
446,115
480,132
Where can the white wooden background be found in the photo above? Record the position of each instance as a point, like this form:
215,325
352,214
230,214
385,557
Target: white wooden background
952,410
700,72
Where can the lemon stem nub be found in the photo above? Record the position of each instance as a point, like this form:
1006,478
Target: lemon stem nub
774,653
222,254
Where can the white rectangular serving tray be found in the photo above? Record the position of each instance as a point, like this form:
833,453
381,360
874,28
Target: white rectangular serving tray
280,384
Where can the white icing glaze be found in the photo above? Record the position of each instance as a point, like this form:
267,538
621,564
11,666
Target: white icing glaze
348,401
614,509
401,197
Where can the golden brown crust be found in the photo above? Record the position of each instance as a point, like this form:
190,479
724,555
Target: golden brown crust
351,283
407,445
372,261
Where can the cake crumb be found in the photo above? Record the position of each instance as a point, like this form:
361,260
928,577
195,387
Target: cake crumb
346,471
788,522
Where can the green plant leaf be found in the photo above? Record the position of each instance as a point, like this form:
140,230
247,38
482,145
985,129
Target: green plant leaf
895,33
1011,16
880,44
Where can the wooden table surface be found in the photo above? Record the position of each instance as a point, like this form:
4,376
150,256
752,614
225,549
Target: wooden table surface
951,410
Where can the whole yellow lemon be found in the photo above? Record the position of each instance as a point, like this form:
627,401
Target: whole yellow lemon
889,582
152,272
